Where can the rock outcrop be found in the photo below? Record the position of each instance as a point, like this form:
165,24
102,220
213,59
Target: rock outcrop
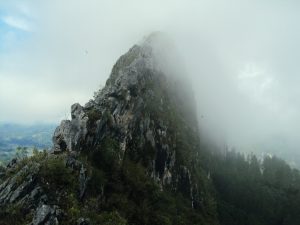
68,135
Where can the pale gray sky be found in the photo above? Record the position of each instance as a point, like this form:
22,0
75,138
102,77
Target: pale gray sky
242,56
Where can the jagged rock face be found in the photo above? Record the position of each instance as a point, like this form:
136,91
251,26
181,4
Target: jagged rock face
46,215
12,190
143,111
27,187
23,189
67,135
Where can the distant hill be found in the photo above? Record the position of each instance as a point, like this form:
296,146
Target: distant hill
14,135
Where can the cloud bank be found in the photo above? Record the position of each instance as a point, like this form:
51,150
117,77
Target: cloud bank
242,58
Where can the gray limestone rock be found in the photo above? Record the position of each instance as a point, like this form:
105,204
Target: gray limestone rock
46,215
61,138
68,135
19,185
83,179
83,221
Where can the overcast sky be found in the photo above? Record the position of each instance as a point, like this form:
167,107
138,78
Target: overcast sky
242,56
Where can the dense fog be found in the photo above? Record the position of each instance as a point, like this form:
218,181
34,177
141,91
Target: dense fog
241,57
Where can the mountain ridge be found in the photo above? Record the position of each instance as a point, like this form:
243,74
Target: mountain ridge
140,134
134,155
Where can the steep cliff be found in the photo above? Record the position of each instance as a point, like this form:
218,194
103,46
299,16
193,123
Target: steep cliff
131,155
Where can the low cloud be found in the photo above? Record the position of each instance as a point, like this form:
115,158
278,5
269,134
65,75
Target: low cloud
242,58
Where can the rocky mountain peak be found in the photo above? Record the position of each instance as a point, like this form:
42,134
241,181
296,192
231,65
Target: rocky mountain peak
137,78
144,113
141,124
